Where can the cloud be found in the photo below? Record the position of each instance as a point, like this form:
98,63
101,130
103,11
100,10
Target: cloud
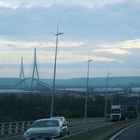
119,48
14,4
113,51
12,44
76,19
72,44
13,50
126,44
130,44
70,57
69,52
88,26
106,59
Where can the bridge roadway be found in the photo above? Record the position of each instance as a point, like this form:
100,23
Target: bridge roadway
131,133
73,129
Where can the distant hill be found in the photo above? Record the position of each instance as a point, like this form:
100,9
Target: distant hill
9,83
97,82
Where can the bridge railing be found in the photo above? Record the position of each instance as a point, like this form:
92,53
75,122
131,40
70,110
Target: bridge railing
15,128
11,128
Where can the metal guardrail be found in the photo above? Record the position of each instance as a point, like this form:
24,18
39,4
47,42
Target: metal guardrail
17,128
13,128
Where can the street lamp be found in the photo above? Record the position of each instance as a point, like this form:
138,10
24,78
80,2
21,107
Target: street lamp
137,105
108,74
86,98
53,90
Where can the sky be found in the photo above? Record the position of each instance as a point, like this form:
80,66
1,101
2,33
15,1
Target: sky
106,31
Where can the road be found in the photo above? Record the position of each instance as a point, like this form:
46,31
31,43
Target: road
73,129
130,133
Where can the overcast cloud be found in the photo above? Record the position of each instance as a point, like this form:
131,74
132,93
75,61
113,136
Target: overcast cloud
105,30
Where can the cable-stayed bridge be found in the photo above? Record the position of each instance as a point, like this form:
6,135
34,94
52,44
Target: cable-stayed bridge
33,82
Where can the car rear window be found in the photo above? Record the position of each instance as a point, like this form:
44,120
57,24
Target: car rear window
46,123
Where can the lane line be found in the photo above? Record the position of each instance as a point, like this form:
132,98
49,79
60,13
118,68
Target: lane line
121,131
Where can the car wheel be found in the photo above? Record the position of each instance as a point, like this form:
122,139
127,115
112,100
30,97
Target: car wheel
68,133
61,135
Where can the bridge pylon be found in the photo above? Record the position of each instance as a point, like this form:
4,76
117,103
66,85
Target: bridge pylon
35,70
22,75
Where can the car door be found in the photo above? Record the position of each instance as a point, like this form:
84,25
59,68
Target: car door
63,129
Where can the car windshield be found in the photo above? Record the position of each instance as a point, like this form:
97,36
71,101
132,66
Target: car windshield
60,118
46,123
115,111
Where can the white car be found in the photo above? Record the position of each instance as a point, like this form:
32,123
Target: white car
46,129
61,118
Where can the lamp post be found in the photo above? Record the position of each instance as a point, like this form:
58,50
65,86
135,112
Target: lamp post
137,105
54,75
108,74
86,98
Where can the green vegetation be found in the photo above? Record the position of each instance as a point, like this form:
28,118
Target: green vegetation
16,107
31,106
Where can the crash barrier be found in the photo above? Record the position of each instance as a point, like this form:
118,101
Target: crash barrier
16,128
78,121
11,128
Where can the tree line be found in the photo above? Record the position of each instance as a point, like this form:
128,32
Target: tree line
32,106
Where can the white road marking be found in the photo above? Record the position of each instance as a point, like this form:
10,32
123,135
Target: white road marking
117,134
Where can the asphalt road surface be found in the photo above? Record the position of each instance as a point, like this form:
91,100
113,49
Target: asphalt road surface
73,129
131,133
